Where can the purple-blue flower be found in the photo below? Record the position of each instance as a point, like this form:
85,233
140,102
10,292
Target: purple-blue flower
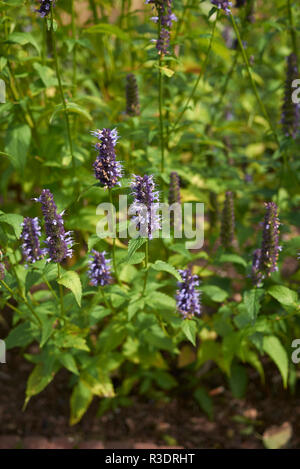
255,270
290,115
30,237
165,18
108,171
270,241
174,189
99,269
188,297
228,221
132,96
145,205
45,7
58,241
223,4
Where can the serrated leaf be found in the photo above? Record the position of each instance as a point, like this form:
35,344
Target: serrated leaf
110,29
189,328
273,347
234,258
284,295
71,280
214,293
22,38
165,267
17,143
252,302
80,401
14,220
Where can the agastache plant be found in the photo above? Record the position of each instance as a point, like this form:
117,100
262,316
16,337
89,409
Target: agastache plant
108,171
223,4
58,241
45,7
290,116
188,297
256,275
270,241
145,205
164,18
227,221
132,96
30,237
99,269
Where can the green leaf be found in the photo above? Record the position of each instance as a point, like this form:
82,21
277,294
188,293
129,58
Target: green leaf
20,336
71,108
71,280
277,436
68,361
39,378
133,246
80,401
46,74
252,302
284,295
136,258
47,330
205,401
238,381
214,293
165,267
234,258
14,220
22,39
189,328
17,143
110,29
273,347
161,300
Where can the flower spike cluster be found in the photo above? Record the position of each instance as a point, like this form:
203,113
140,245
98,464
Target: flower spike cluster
2,271
174,189
290,116
270,241
99,270
145,205
223,4
30,237
164,18
45,7
132,96
108,171
228,221
58,241
188,297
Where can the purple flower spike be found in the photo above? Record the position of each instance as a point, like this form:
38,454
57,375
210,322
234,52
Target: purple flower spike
165,18
228,221
132,96
223,4
255,272
30,236
270,247
58,241
146,205
290,116
174,189
108,171
99,270
45,7
188,298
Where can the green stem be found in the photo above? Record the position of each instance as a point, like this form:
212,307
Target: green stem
246,61
201,74
61,290
105,299
161,120
74,35
146,265
23,299
114,244
292,28
62,91
50,288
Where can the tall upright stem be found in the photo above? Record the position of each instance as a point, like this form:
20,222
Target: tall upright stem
114,244
74,34
292,29
146,265
201,74
160,105
62,91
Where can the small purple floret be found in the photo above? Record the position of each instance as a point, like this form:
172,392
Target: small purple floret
99,270
108,171
188,297
30,237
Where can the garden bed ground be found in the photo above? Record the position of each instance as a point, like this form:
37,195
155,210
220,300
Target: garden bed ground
146,424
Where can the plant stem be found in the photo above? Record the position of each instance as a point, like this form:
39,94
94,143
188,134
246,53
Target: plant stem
114,244
201,74
160,104
62,91
253,84
74,34
105,299
292,29
146,265
23,299
61,291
